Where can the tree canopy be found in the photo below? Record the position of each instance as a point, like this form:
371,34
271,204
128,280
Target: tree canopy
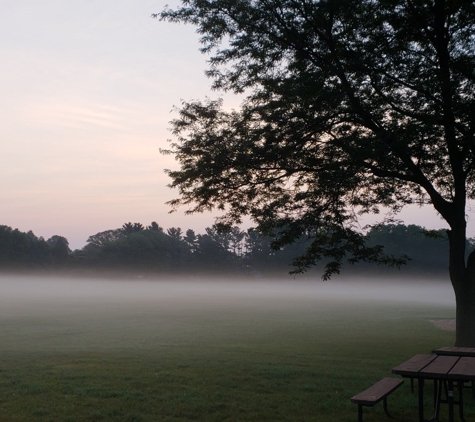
351,107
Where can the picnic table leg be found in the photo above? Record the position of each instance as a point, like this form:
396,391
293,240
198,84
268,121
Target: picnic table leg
439,385
437,393
450,399
460,388
420,390
385,407
437,396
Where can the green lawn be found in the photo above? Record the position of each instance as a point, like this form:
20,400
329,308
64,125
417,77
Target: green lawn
218,357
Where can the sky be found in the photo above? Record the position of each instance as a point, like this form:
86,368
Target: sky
86,93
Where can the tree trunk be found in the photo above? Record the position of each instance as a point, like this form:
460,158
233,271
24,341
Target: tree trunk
463,282
462,276
465,313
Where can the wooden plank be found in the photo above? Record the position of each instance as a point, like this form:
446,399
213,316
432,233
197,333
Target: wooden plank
377,392
411,367
446,351
455,351
439,367
464,369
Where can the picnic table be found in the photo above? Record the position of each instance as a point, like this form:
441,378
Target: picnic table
445,371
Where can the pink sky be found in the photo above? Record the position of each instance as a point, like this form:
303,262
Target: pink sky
85,97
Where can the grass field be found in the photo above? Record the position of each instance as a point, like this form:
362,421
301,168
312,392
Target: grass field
87,351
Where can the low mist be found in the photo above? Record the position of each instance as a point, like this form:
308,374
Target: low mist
83,314
28,290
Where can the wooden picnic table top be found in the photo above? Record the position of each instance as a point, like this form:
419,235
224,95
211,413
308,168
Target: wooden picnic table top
413,365
457,368
464,369
439,367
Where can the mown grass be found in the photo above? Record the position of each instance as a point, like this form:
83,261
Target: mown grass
249,359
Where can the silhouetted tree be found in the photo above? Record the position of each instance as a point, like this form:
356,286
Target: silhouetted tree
39,251
102,238
428,250
19,250
180,252
140,250
174,233
154,226
351,106
263,258
59,249
233,240
129,228
236,241
191,240
212,252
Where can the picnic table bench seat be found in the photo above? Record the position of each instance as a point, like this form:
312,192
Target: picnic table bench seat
374,394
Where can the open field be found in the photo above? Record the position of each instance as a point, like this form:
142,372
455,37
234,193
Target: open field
194,351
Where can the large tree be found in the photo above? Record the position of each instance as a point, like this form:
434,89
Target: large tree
351,106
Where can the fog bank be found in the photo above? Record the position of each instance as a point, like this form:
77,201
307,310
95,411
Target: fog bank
18,290
39,315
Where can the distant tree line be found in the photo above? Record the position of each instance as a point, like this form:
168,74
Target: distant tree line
19,250
138,249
